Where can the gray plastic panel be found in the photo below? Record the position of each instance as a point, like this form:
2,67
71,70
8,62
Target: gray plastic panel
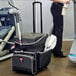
73,48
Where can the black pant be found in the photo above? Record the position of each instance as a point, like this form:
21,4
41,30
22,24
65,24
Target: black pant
56,10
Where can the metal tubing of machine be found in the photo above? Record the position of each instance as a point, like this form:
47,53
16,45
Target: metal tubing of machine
12,3
2,45
19,33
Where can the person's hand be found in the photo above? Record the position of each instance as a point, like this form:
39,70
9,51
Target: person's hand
68,2
62,1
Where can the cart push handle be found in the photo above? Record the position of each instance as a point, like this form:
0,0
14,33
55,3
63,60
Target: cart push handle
34,18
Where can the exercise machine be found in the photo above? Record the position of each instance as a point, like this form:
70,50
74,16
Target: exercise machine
8,20
7,29
72,54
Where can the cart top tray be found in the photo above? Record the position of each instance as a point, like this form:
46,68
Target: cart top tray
30,37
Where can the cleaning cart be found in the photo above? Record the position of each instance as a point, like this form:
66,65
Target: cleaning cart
30,54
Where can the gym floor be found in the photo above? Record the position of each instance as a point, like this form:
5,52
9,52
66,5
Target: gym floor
57,66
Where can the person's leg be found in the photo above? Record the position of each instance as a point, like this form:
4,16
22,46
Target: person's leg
57,29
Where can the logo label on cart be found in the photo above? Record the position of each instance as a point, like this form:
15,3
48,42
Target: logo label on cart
21,59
